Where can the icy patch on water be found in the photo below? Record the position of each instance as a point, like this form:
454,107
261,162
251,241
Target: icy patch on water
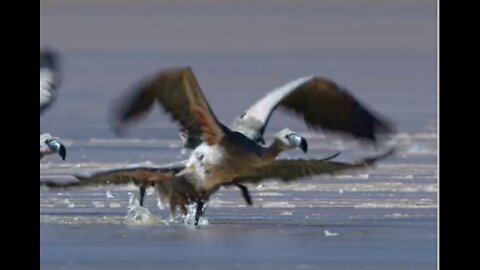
408,176
277,205
81,220
350,176
397,215
269,194
341,187
115,205
419,149
138,214
417,136
407,205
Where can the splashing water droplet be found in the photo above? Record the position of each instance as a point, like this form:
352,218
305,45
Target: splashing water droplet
138,214
189,218
160,204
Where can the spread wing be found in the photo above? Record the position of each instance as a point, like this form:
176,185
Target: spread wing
142,176
321,103
179,93
137,174
287,170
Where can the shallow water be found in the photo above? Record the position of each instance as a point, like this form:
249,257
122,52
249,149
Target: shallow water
382,218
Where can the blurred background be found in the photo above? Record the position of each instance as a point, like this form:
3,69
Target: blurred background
384,52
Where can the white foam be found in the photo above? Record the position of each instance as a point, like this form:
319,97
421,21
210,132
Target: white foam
160,204
277,205
406,205
398,215
109,195
115,205
98,204
269,194
66,201
140,215
189,218
327,233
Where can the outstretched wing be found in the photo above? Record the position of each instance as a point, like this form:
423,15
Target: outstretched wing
321,103
49,78
142,176
287,170
179,93
138,174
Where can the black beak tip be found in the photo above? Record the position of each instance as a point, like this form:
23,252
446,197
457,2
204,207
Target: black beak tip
304,145
62,152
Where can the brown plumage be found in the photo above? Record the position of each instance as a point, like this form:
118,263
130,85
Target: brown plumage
179,192
178,93
322,104
231,154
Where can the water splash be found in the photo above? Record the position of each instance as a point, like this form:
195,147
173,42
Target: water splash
160,204
138,214
189,218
